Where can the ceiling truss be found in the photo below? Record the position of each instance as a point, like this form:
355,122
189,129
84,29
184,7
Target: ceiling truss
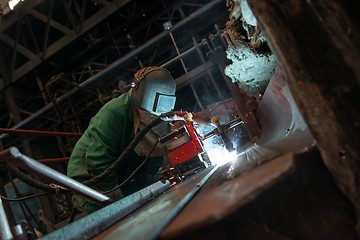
54,50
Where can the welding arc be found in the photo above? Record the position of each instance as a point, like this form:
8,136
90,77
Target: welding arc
130,147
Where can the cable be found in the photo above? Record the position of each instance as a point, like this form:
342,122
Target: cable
27,179
24,208
135,171
130,147
25,198
22,205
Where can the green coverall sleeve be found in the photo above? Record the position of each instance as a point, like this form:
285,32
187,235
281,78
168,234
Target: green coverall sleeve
107,141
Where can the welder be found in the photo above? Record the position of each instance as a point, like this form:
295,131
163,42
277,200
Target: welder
111,130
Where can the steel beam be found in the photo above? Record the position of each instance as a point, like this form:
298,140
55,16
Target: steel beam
48,51
93,224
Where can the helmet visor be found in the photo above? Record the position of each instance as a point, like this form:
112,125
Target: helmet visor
163,103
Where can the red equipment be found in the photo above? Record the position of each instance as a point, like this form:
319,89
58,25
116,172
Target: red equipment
184,149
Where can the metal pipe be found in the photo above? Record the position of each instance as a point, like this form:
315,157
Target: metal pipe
117,64
52,160
5,231
36,132
179,57
177,51
24,162
93,224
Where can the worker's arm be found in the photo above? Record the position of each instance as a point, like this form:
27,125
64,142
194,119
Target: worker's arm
109,137
201,118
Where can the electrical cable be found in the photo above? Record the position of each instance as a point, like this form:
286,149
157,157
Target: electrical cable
130,147
126,152
133,173
27,179
24,206
25,198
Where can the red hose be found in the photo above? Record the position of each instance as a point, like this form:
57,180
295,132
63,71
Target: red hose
52,160
36,132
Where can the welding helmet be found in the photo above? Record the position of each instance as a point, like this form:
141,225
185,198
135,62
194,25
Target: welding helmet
153,89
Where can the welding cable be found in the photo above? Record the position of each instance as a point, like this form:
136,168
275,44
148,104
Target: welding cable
27,179
131,146
133,173
24,207
17,199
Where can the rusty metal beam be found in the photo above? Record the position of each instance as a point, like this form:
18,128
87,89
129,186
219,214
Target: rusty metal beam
163,209
93,224
220,201
325,84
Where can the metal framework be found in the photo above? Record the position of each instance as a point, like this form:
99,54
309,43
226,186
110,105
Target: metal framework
101,42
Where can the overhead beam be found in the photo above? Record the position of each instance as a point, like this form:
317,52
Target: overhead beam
53,23
70,35
121,62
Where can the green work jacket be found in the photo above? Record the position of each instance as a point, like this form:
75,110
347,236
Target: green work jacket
109,132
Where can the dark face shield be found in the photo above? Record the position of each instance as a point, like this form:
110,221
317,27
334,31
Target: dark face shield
155,92
164,103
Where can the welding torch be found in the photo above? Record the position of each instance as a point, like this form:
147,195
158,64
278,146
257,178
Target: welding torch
221,130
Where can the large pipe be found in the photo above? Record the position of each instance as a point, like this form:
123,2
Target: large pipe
122,61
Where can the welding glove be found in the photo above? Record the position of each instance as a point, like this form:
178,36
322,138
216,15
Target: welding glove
200,118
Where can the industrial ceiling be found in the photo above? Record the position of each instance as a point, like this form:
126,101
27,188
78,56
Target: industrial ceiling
60,59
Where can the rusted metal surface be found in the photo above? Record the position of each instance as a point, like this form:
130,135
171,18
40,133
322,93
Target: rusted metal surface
305,204
149,220
325,83
217,202
91,225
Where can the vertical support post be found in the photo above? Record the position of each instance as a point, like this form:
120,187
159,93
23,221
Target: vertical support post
5,231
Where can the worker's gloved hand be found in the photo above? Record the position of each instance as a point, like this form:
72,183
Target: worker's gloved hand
176,125
177,116
198,118
201,119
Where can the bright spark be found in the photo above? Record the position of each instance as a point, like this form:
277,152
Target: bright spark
13,3
218,154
